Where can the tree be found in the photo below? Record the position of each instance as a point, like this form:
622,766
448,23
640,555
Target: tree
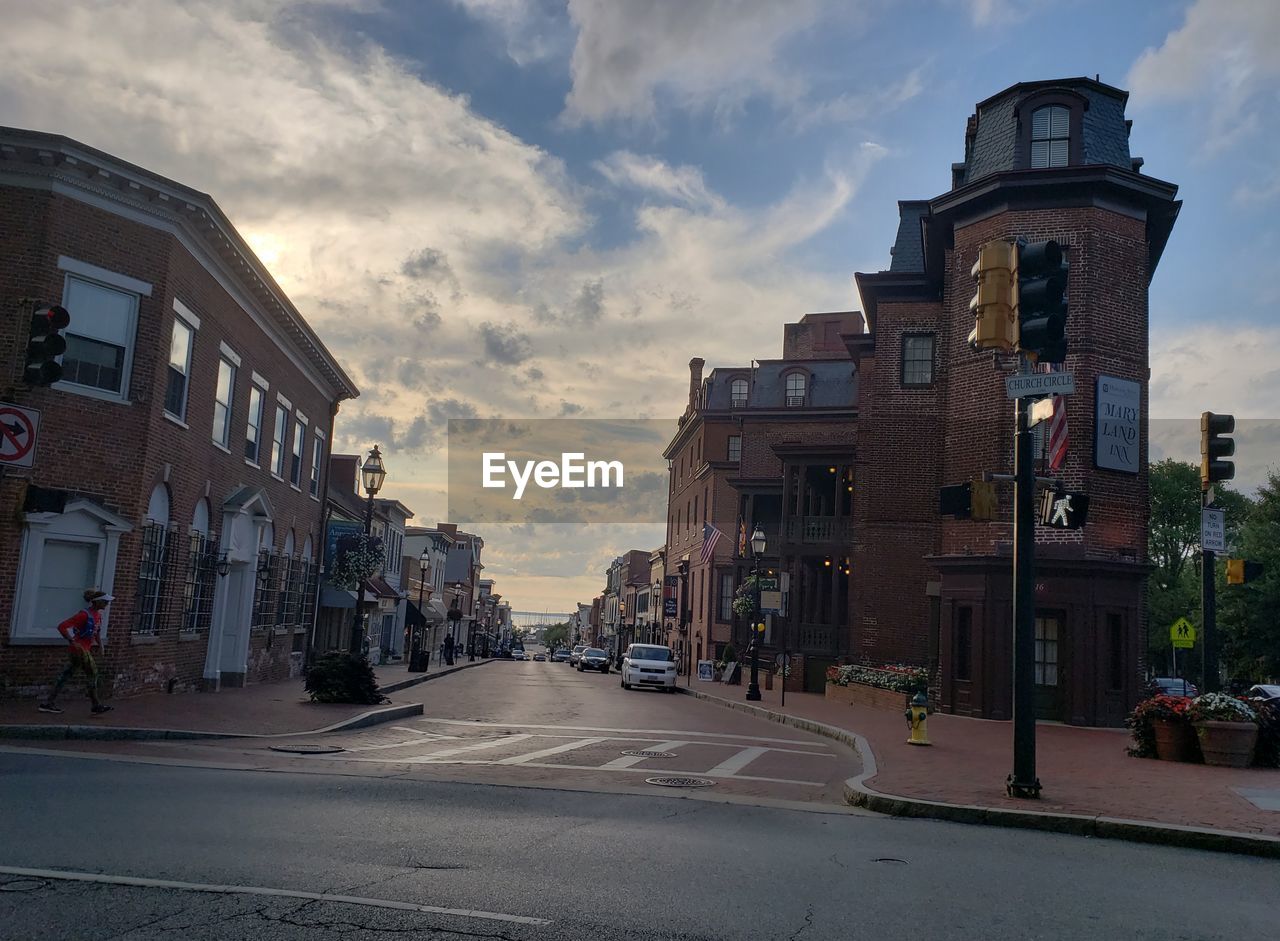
1247,613
1174,548
557,635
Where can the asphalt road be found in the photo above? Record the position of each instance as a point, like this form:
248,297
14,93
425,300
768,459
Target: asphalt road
447,827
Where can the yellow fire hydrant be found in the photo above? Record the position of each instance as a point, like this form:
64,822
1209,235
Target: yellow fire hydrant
917,716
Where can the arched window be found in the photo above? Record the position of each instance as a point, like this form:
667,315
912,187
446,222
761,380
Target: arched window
310,572
202,564
738,393
152,562
1050,136
266,590
795,389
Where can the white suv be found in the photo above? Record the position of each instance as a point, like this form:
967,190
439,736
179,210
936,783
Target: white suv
576,654
649,665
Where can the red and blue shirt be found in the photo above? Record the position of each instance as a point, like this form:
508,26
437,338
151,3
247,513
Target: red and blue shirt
81,629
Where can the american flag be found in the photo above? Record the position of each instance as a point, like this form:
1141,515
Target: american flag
1058,433
710,536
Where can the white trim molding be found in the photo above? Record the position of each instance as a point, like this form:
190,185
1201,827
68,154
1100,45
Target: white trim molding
106,276
186,313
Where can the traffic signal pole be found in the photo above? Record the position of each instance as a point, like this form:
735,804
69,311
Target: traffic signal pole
1023,781
1208,620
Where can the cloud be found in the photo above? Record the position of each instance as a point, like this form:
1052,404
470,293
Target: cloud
711,54
849,108
534,30
504,343
655,177
1222,61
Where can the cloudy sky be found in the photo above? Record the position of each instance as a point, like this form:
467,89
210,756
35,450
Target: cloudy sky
532,208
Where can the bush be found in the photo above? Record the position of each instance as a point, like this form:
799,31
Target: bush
1139,722
895,676
1221,708
343,678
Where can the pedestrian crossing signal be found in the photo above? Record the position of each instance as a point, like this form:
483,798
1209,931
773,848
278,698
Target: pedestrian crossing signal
1064,509
1242,571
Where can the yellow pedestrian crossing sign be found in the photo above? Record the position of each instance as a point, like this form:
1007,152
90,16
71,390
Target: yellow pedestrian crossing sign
1183,633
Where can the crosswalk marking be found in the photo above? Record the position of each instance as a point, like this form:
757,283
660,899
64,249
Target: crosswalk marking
626,761
469,723
461,749
547,752
735,763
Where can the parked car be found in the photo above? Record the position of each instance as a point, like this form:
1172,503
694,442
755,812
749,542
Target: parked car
1172,686
649,665
518,654
576,653
1265,693
538,656
562,655
593,658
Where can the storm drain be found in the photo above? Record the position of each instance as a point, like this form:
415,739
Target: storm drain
307,749
650,754
892,860
22,885
680,782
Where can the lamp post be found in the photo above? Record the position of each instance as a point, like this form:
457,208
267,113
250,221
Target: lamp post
415,652
757,550
372,475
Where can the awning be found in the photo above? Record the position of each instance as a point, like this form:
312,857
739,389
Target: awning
331,597
436,611
412,616
377,587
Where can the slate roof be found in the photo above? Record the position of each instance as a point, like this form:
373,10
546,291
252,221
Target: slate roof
908,248
832,384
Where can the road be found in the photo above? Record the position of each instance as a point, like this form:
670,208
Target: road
558,852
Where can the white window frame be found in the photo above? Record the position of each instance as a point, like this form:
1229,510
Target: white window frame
317,464
256,460
225,441
183,319
112,281
793,400
297,450
1049,138
279,439
736,401
729,449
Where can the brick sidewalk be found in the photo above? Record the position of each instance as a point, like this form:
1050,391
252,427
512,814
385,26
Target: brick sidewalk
1083,771
261,709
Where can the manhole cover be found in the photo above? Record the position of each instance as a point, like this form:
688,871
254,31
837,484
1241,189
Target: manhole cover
307,749
680,782
22,885
890,859
650,754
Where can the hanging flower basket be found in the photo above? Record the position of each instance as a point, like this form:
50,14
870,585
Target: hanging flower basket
357,557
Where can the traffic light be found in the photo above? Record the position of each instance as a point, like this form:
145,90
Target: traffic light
1214,446
1040,305
982,500
1064,509
994,326
1242,571
45,345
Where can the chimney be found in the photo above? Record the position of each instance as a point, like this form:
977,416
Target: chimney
343,470
695,380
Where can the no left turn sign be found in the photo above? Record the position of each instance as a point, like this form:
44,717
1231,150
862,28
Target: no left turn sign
18,427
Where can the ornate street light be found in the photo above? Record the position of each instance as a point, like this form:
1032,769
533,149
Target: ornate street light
757,550
373,474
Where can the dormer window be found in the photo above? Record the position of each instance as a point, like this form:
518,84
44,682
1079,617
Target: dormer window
738,393
1050,136
795,390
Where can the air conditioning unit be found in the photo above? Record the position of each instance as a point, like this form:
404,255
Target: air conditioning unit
794,401
737,403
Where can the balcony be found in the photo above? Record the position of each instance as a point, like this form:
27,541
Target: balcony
816,638
811,530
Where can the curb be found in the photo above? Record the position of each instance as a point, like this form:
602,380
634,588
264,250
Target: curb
426,677
858,793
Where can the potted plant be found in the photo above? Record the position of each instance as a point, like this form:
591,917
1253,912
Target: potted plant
1161,729
1227,729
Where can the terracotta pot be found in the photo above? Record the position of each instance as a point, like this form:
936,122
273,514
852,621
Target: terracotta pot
1228,744
1175,740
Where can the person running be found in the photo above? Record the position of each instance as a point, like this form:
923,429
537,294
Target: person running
83,633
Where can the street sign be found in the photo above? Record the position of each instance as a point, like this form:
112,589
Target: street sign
1183,633
1040,383
770,602
768,582
1213,530
18,427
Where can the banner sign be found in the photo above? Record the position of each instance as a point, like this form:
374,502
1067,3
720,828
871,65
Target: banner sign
338,529
1117,430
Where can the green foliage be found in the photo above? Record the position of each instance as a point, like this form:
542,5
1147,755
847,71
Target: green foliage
1267,751
557,635
1247,613
343,678
744,599
730,655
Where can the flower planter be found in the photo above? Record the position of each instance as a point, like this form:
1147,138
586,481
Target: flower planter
861,695
1175,740
1227,744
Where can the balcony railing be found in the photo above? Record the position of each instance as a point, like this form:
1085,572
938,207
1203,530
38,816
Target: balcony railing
816,638
818,529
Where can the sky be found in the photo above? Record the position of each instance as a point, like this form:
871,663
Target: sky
537,209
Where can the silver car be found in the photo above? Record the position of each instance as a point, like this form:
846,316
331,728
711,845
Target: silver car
576,654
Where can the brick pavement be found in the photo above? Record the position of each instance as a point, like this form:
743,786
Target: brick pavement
1083,770
260,709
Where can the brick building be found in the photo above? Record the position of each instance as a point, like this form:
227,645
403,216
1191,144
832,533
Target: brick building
187,435
1042,160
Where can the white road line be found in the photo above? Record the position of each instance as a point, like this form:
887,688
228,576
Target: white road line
450,752
267,891
548,752
735,763
677,772
626,761
587,728
425,738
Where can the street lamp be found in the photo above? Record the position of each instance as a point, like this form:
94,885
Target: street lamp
372,474
757,550
415,653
